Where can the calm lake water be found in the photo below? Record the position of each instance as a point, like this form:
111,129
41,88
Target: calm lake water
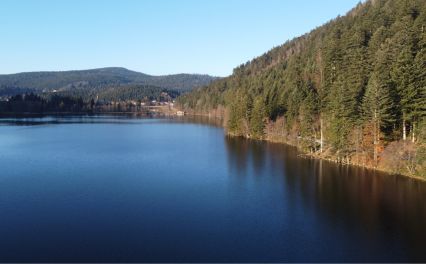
114,189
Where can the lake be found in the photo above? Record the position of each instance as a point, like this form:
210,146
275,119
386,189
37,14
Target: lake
120,189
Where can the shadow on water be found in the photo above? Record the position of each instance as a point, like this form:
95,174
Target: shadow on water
386,212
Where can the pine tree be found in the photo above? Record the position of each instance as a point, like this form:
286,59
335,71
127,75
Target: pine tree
257,120
342,107
308,114
403,73
378,108
418,89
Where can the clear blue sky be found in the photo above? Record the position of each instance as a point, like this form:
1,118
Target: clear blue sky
152,36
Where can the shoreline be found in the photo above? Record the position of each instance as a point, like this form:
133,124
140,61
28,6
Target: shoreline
209,116
44,114
306,154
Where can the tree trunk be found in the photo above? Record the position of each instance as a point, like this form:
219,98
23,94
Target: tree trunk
413,137
375,136
404,128
322,137
357,144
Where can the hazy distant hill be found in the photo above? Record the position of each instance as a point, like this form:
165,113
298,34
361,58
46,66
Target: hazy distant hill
95,80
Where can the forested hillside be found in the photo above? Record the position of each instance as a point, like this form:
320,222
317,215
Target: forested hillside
129,98
91,81
352,90
130,92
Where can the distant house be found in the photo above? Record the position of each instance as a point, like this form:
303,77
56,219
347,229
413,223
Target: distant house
180,113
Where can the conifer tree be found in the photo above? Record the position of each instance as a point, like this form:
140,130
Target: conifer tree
378,108
257,120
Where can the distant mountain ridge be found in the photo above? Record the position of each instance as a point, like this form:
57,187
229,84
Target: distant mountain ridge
95,80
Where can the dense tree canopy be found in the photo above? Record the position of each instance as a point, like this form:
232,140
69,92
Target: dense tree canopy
353,85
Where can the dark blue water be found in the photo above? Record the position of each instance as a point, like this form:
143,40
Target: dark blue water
110,189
